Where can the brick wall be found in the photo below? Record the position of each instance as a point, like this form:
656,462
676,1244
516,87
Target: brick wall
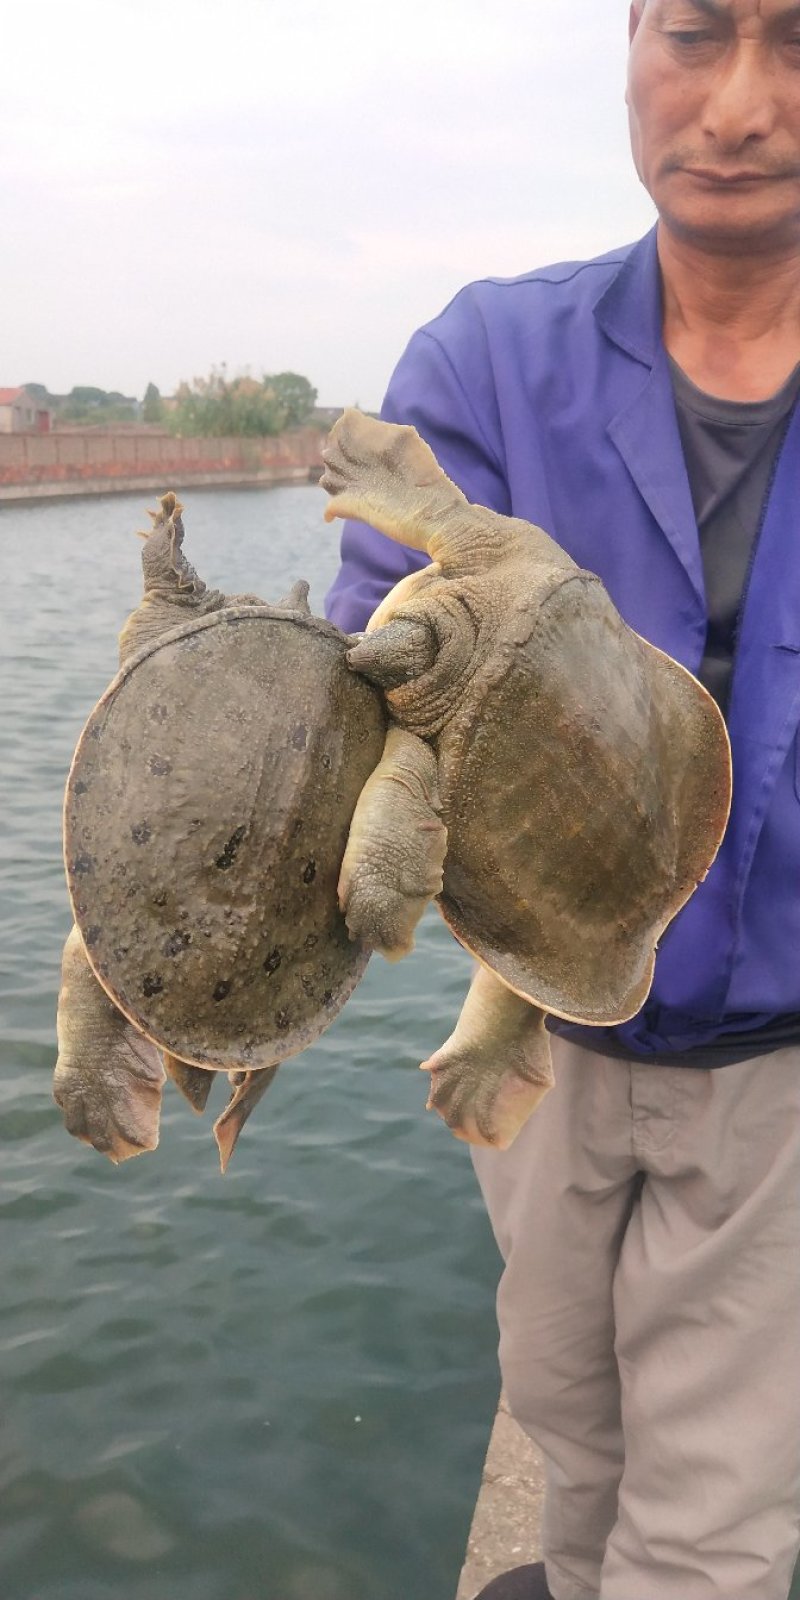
102,458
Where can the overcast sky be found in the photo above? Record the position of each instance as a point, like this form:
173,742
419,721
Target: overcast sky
291,184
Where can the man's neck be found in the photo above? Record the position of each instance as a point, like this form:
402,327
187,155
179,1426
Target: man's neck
731,323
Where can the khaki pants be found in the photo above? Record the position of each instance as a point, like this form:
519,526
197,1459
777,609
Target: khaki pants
649,1311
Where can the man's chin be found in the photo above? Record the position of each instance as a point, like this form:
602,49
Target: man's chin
723,229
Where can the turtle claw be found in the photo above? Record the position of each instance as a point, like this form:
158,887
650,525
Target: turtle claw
476,1108
248,1087
119,1126
494,1069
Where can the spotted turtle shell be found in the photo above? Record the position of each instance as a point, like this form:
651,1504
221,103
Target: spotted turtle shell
206,816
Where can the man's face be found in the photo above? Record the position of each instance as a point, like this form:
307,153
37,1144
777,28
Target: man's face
714,107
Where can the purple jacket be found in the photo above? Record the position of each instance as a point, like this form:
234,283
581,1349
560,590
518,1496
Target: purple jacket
548,397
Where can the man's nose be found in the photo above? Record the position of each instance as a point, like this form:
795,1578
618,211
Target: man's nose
740,104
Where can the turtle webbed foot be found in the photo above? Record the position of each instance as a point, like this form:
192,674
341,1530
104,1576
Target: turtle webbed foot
494,1069
248,1087
384,473
108,1078
120,1120
395,852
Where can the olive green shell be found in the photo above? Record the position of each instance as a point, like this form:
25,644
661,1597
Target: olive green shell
586,784
205,820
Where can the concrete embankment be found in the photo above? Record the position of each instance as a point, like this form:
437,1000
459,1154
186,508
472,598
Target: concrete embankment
112,461
505,1530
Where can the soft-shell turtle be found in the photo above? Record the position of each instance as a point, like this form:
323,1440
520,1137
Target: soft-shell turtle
205,819
582,776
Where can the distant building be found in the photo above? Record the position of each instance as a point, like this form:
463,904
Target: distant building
325,416
20,412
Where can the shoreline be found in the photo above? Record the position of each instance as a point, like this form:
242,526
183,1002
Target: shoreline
69,489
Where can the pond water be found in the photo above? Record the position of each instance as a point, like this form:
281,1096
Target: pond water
276,1385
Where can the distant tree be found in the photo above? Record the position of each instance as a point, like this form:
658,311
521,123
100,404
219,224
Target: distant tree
84,394
153,405
296,395
85,403
217,405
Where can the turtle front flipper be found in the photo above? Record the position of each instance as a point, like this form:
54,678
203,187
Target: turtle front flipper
108,1077
494,1069
394,860
385,474
248,1087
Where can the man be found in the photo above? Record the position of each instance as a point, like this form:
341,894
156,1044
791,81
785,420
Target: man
642,408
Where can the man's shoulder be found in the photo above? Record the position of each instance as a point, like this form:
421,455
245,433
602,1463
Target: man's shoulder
591,271
545,291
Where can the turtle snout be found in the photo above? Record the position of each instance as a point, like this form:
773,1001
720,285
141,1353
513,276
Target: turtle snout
396,654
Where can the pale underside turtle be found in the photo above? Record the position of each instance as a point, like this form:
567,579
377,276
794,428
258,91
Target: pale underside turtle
205,818
578,792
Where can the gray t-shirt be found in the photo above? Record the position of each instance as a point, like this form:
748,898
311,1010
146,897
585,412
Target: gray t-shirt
730,448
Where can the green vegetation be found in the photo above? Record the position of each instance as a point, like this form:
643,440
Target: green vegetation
152,405
217,406
210,407
87,404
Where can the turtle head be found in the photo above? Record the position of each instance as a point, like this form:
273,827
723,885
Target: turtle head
420,649
167,573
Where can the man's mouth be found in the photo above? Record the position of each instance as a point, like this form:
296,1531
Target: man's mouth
733,180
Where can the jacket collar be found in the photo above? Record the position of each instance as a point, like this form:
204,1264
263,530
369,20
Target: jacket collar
629,308
644,429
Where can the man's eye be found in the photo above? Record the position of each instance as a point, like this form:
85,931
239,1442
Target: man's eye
690,36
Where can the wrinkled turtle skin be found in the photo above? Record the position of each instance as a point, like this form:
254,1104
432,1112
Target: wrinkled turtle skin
205,818
578,777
